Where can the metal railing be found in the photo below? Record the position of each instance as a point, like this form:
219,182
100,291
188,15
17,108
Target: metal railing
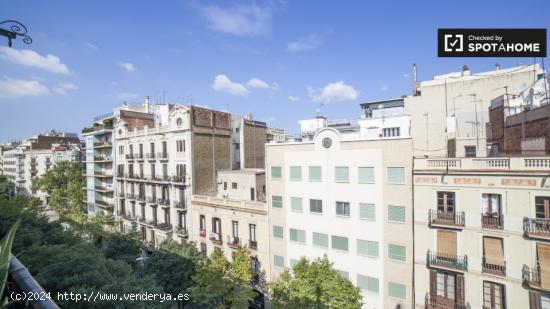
438,302
495,269
536,227
25,283
253,245
447,260
492,221
446,218
531,276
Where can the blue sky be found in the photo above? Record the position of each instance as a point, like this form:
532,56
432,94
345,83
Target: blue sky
279,60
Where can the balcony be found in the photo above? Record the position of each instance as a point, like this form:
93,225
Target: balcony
447,261
128,217
105,159
163,202
182,231
538,228
130,196
103,189
253,245
535,164
180,205
492,221
34,163
162,155
445,219
103,204
141,198
120,194
531,276
139,156
233,242
129,157
103,144
493,269
151,200
178,179
150,156
438,302
202,233
216,238
163,227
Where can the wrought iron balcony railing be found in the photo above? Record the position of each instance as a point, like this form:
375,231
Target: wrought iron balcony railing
447,260
536,227
492,221
494,269
438,302
531,276
446,218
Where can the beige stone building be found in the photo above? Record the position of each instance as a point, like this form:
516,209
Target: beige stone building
482,230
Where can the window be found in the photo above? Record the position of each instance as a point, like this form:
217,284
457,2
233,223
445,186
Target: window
396,175
445,285
153,170
216,225
366,211
542,207
366,174
339,243
344,274
470,151
203,249
293,262
490,204
392,132
278,232
235,228
252,194
369,248
202,222
277,201
315,173
316,206
296,204
320,240
275,172
493,295
295,173
342,209
397,253
141,150
180,146
396,213
120,149
252,232
298,235
278,261
367,283
493,255
341,174
446,202
397,290
233,185
225,185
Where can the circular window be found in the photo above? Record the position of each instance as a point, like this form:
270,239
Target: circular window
327,142
120,131
179,121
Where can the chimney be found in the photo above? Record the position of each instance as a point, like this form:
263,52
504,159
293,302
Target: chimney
465,70
146,105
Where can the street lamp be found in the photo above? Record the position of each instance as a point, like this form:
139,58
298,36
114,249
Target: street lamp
14,29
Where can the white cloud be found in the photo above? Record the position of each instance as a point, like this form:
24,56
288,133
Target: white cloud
222,83
405,75
127,66
17,88
384,87
243,20
90,45
63,88
293,98
258,83
333,92
127,96
31,58
304,44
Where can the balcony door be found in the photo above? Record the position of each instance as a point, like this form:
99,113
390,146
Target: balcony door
446,206
493,295
542,207
543,258
446,289
491,204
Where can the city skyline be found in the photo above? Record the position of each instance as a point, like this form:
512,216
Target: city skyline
257,57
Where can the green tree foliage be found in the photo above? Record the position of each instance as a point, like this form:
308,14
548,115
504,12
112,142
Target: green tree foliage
314,284
124,247
5,257
222,284
7,188
65,185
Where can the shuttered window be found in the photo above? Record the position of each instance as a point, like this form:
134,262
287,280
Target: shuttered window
295,173
396,213
366,247
446,242
396,175
341,174
297,235
275,172
543,256
366,174
320,240
296,204
493,250
367,283
315,173
278,232
277,201
397,290
366,211
397,253
339,243
278,261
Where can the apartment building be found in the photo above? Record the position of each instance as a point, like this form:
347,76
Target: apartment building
349,197
161,161
23,162
248,137
237,216
449,112
276,135
481,232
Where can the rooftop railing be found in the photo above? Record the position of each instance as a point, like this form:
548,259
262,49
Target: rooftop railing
496,164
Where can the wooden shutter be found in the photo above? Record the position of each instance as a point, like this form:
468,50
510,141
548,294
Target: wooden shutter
534,300
446,242
433,282
543,254
494,253
460,289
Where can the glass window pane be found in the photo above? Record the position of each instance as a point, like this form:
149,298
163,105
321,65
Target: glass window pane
293,262
366,211
342,209
366,174
339,243
396,213
295,173
367,283
341,174
314,173
277,201
397,252
397,290
296,204
279,261
320,240
275,172
396,175
278,231
316,206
